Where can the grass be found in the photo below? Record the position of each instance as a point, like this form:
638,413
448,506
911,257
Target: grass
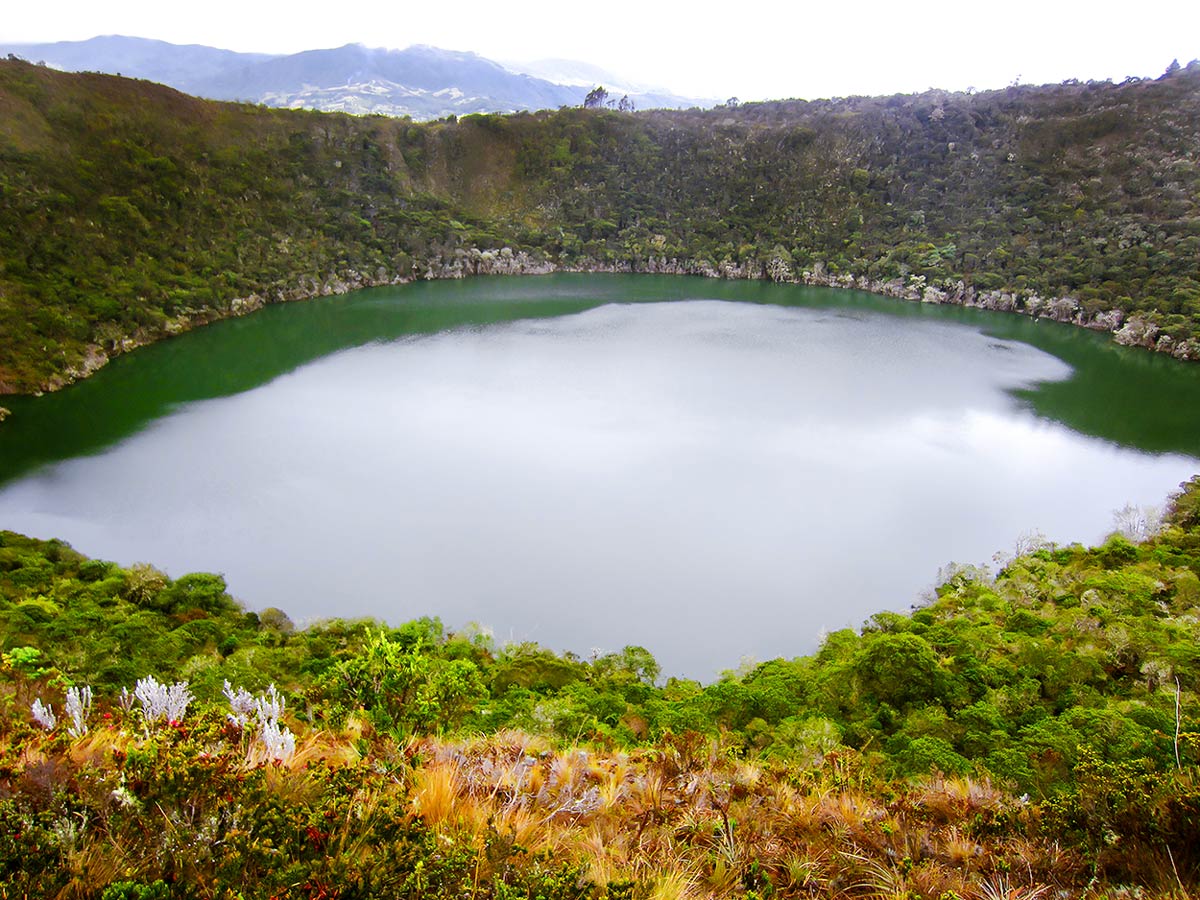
698,825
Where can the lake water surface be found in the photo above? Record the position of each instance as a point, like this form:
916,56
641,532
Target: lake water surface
570,461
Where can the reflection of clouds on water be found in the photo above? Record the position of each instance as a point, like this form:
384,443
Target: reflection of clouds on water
708,479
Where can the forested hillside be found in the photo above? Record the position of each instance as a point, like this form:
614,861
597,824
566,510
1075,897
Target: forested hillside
129,211
1028,731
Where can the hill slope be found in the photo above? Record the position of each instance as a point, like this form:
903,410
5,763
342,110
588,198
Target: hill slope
181,66
131,211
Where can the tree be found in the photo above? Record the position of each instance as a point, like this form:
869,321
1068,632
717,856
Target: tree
596,98
405,686
899,669
199,590
631,663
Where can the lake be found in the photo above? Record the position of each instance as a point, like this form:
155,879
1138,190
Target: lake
714,470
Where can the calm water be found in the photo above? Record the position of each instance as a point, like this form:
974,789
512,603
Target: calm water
566,460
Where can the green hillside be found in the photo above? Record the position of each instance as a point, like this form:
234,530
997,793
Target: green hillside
129,211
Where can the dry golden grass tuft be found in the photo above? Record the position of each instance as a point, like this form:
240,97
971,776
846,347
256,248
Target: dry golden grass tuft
687,821
324,746
849,812
932,879
438,795
1001,887
698,822
877,879
952,797
297,787
90,862
960,850
97,746
674,886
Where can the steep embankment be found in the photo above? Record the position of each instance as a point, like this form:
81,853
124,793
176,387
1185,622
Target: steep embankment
130,211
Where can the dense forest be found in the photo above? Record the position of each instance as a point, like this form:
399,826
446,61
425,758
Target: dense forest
1030,731
129,211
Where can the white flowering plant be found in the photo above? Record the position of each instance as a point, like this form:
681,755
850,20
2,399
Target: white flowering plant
43,714
162,702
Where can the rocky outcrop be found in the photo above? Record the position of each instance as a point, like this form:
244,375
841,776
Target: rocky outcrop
1134,332
1137,332
473,261
96,355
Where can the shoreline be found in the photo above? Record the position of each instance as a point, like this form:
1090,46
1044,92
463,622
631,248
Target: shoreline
1129,331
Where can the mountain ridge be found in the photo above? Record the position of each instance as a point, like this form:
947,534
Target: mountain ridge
421,81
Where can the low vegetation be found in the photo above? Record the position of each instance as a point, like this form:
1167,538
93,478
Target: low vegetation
129,211
1033,732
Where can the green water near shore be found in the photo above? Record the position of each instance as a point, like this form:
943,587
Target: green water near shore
1126,395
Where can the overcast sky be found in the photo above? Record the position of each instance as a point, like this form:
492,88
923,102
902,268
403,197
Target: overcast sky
750,49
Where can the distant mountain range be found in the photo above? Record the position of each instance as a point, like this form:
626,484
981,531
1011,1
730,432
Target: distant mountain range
421,82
